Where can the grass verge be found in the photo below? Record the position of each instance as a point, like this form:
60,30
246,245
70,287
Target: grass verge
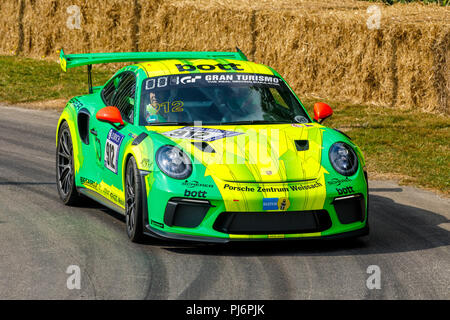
24,80
408,146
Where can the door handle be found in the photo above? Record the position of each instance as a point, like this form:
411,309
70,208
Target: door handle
94,132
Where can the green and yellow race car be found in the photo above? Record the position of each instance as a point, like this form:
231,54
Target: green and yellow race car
208,146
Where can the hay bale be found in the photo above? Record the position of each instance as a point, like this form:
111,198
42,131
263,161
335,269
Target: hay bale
178,28
105,26
324,49
11,41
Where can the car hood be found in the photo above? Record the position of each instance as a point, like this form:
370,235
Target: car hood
252,153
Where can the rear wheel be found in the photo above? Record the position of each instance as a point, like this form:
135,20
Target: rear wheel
133,201
65,174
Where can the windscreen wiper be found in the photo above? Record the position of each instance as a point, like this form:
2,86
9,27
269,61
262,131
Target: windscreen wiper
171,123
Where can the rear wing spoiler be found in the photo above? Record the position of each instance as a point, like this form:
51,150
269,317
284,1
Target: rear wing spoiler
86,59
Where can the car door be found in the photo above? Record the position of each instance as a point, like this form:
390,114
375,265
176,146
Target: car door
112,139
87,171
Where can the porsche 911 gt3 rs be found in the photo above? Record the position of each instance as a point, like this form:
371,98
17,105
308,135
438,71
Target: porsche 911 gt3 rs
208,146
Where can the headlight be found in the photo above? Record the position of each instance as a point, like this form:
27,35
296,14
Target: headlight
173,162
343,158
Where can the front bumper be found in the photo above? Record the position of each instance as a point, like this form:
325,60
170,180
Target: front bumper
173,216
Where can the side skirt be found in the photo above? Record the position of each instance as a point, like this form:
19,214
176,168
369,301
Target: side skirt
101,199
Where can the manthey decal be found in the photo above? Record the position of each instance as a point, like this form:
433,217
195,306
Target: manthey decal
195,189
112,148
195,184
341,185
338,181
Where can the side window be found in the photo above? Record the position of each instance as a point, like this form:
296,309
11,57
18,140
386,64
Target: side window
120,92
108,92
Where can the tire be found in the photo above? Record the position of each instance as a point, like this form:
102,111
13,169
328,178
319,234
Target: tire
65,174
133,202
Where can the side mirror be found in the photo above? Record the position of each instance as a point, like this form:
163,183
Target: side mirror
109,114
322,111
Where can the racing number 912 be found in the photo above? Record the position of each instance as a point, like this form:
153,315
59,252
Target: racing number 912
112,147
177,106
109,156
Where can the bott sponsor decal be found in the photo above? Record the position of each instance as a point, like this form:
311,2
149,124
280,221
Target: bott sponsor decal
207,67
195,194
346,190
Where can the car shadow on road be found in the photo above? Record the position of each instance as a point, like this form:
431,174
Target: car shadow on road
394,228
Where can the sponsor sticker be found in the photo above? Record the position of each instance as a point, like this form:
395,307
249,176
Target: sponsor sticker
338,181
270,204
89,182
76,103
210,79
195,193
283,203
202,134
276,203
273,189
196,184
112,148
344,191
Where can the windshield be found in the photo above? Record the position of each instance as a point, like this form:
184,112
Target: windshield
218,99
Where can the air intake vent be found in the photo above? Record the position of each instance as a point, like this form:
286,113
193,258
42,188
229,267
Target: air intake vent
350,209
204,146
302,145
273,222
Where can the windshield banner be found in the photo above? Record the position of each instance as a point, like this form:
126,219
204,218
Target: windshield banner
211,79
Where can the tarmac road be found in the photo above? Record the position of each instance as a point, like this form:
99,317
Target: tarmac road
40,238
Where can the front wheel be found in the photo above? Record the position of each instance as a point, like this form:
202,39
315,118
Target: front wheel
133,201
